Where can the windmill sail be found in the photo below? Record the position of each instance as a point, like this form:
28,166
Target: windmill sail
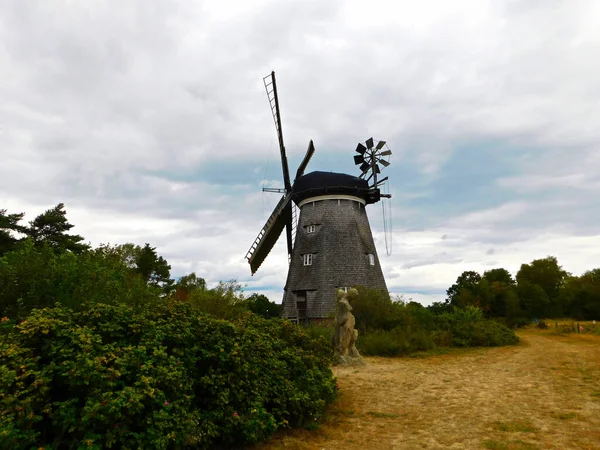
306,160
266,239
271,88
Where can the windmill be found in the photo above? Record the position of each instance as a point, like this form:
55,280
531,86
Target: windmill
331,245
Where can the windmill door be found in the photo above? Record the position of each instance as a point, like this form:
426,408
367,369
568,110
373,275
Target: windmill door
301,305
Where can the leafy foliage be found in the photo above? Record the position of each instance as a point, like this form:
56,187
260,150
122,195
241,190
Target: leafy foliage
545,273
375,310
396,342
468,328
188,283
38,277
154,269
542,289
225,301
261,305
466,285
165,377
394,327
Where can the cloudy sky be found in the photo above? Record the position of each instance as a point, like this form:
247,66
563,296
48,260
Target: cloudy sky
149,120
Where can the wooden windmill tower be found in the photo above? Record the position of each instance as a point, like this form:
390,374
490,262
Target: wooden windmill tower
330,246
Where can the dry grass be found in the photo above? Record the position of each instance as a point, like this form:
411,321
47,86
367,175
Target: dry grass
541,394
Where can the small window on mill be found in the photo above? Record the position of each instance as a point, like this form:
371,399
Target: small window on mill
308,259
371,259
310,229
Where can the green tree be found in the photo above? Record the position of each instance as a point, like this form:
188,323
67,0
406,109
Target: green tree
533,300
545,273
225,301
188,283
499,275
478,295
501,290
37,277
154,269
591,298
9,225
580,296
261,305
467,281
51,229
514,313
191,281
374,309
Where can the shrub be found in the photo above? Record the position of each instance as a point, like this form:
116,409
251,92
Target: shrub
321,332
394,343
469,328
421,329
225,301
164,377
375,310
382,343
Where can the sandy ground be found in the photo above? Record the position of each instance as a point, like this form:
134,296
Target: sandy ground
541,394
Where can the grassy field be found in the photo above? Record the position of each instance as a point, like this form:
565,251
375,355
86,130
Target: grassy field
541,394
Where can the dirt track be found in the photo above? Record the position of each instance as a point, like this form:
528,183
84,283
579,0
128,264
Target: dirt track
541,394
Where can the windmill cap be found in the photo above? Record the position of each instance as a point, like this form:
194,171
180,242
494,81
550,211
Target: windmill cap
328,183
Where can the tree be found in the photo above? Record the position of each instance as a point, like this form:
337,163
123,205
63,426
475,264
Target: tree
467,280
533,299
499,275
187,284
374,309
51,227
502,292
514,313
590,301
9,224
38,277
261,305
580,296
477,295
546,273
225,301
154,269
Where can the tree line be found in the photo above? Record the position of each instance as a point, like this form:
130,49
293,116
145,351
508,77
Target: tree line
540,289
49,257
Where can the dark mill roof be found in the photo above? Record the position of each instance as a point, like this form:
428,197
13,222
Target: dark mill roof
328,183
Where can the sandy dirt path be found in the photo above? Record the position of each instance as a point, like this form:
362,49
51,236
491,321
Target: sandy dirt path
541,394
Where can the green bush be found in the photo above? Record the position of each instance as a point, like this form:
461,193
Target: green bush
375,310
323,332
165,377
425,330
381,343
468,328
394,343
224,301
